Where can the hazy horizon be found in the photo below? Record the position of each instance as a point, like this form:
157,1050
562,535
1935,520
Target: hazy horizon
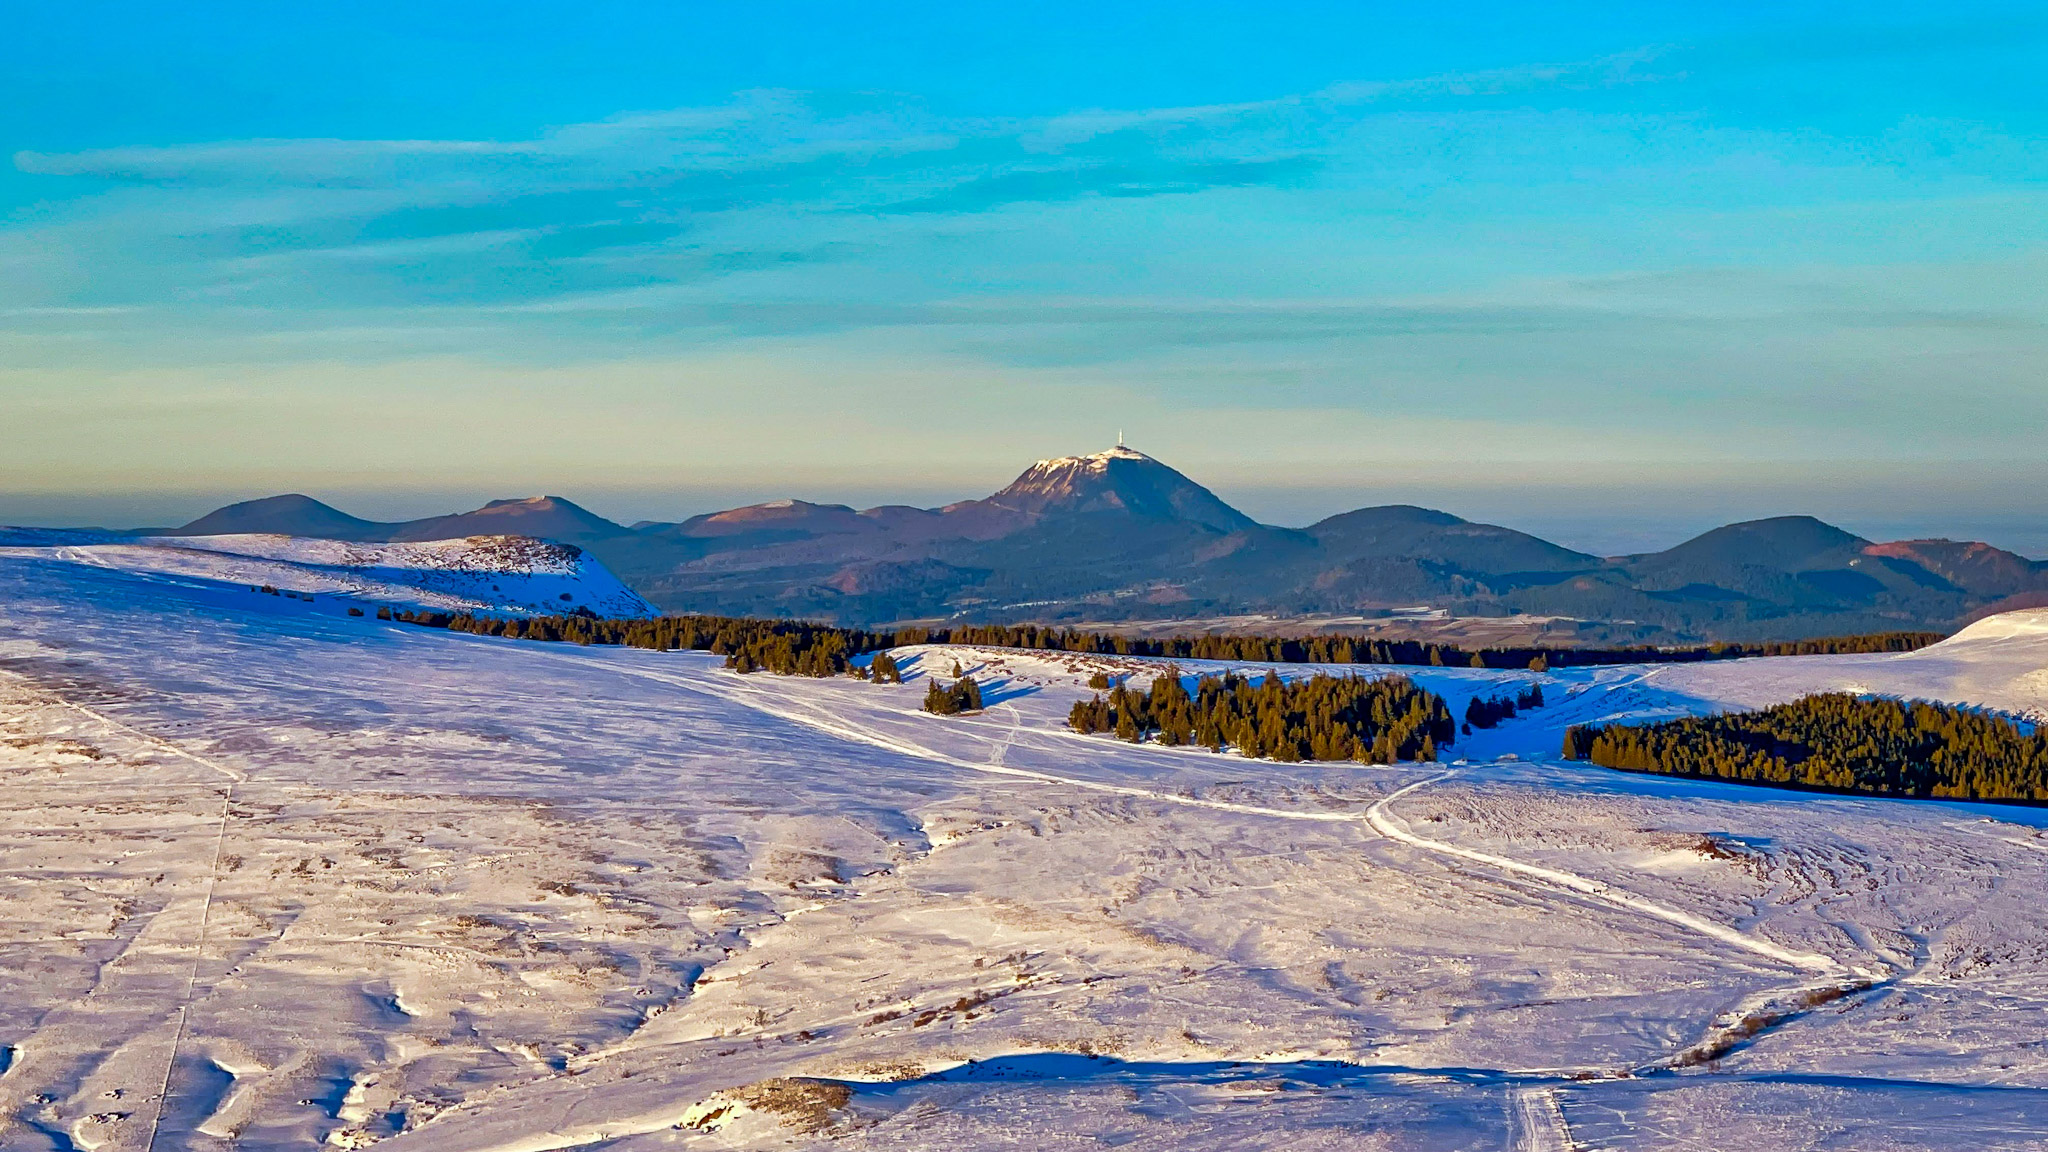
1610,522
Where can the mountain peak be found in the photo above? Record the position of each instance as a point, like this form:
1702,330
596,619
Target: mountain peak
293,514
1975,567
776,515
541,517
1785,543
1097,461
1119,479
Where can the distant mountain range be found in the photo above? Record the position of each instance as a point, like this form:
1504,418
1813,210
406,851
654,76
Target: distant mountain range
1119,535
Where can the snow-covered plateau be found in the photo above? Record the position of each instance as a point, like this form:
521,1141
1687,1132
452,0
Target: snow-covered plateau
504,575
279,877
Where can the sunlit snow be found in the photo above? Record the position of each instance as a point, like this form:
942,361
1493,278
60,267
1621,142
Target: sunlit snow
279,877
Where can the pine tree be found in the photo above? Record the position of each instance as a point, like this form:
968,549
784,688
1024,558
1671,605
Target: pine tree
963,696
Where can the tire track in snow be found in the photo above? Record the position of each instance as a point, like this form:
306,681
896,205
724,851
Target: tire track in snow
1831,970
227,800
36,692
1539,1122
1387,824
822,721
1378,817
156,1119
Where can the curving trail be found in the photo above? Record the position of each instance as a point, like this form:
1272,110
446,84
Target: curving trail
1378,817
836,726
1387,824
1535,1114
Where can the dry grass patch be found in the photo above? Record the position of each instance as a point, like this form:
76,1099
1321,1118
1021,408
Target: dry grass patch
1754,1024
805,1105
891,1070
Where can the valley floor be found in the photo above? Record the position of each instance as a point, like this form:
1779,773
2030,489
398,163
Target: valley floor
277,878
1422,624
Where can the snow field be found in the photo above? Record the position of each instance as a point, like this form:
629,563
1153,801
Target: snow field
470,893
496,574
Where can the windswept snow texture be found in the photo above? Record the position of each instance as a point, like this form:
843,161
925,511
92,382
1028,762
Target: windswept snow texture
280,878
504,575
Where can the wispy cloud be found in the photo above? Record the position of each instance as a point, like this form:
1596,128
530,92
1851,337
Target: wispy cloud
1524,237
784,129
675,196
321,163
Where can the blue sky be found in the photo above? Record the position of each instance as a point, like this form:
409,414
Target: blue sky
1616,272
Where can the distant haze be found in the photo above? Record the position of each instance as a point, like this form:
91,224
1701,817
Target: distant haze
1603,522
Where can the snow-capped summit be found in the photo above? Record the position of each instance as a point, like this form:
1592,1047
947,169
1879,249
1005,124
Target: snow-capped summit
1099,461
1120,479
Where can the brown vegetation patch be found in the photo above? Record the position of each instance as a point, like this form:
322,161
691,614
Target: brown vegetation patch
795,869
805,1105
57,745
1754,1024
964,1007
892,1071
1705,844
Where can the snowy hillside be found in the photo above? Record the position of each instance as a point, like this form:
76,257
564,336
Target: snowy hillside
498,574
1999,663
287,879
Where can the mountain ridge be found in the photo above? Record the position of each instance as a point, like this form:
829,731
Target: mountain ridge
1119,534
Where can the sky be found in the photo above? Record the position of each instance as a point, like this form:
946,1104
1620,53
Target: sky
1616,273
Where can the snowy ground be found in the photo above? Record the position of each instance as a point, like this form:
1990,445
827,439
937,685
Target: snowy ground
498,574
273,877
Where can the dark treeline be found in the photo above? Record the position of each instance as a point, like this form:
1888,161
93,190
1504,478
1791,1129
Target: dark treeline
1837,742
1490,712
1366,650
790,647
1321,718
794,647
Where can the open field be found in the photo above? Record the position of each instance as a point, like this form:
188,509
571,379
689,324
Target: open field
275,877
